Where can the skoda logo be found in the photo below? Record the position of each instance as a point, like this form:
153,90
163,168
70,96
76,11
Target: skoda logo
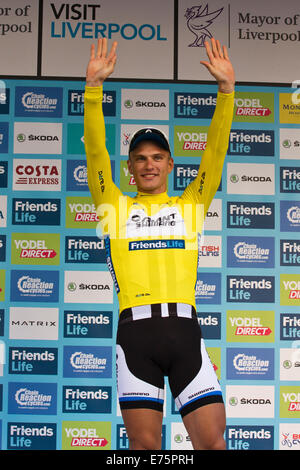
234,178
128,104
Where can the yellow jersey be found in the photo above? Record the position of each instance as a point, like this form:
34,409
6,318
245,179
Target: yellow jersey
152,241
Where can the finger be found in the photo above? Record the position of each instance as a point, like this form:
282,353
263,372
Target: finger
208,51
207,65
219,49
112,53
92,53
104,47
225,52
214,47
99,48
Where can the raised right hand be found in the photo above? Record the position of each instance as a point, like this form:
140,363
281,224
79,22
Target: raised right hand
100,65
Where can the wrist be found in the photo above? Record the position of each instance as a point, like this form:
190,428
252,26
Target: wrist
94,83
226,87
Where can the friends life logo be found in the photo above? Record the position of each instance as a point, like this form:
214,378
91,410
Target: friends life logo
198,20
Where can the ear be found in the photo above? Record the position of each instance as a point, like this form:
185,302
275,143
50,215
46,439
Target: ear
171,164
129,165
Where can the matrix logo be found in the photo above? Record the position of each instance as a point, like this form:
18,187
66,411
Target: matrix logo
89,399
260,289
35,249
254,107
250,437
290,289
250,215
33,323
250,326
86,435
289,216
290,402
36,211
33,436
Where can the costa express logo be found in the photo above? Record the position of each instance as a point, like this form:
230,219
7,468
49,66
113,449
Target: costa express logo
36,175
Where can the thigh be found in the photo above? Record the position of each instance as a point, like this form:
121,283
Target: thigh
192,378
206,427
140,380
144,428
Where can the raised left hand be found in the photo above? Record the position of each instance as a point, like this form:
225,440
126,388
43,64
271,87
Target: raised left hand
219,65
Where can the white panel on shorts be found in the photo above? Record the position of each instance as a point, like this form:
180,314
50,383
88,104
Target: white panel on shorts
203,384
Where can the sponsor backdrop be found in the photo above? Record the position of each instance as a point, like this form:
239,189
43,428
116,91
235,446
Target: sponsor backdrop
58,308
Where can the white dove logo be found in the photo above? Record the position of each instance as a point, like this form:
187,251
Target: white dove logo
198,20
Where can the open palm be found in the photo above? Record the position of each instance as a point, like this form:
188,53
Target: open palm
219,65
100,65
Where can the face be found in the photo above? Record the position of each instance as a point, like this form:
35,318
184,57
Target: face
150,166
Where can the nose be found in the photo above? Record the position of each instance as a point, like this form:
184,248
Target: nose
149,164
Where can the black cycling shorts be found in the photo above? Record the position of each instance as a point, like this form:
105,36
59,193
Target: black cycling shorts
154,341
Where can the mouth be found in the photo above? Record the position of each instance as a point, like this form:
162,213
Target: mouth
149,176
